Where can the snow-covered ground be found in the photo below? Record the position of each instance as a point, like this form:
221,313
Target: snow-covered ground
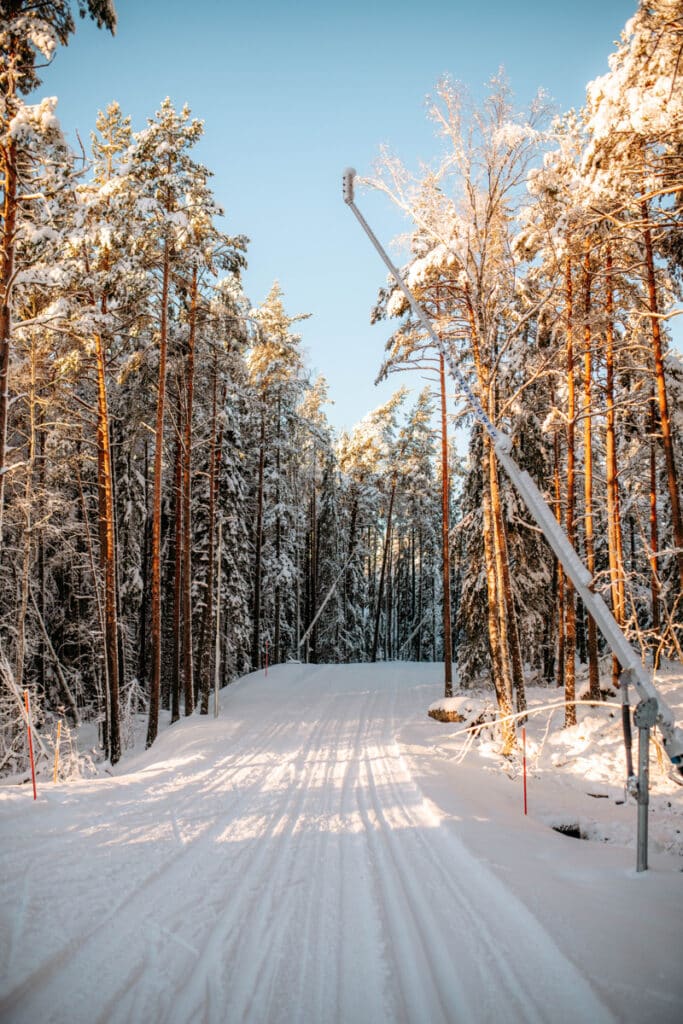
321,853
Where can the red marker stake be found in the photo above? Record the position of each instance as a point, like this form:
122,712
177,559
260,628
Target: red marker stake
30,742
524,762
266,657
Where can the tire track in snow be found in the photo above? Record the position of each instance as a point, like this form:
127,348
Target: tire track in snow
539,984
34,994
133,822
240,940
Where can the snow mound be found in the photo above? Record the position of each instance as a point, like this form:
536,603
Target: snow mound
468,710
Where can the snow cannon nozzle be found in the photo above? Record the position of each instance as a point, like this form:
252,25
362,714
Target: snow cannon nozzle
347,184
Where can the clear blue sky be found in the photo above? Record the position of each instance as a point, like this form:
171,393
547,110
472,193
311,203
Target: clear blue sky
291,93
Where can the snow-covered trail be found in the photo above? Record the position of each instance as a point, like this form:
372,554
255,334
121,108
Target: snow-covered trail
278,864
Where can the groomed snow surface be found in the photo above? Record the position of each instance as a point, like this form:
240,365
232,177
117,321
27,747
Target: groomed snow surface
319,853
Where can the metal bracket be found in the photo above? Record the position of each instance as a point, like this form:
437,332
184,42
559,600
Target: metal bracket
645,714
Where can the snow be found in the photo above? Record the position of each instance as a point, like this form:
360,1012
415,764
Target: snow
324,851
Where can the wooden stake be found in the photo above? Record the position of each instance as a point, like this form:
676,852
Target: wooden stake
59,733
524,763
30,742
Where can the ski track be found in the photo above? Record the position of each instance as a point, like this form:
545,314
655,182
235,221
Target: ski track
303,877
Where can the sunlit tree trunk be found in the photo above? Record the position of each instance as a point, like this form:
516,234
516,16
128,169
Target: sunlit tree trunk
499,669
613,512
25,577
593,670
445,545
7,242
107,539
570,607
560,572
662,400
654,524
493,545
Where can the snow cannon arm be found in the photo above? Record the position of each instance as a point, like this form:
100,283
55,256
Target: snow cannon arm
347,184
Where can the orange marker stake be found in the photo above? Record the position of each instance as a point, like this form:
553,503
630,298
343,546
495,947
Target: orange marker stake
59,732
524,763
30,742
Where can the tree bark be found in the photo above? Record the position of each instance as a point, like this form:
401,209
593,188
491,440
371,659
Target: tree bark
107,539
445,540
499,666
382,574
509,636
155,639
593,669
278,537
204,655
616,565
662,400
256,634
188,669
560,571
176,641
654,524
9,221
570,608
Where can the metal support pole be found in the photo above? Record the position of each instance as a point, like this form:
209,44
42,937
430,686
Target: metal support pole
645,717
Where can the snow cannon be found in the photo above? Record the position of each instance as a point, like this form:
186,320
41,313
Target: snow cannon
347,184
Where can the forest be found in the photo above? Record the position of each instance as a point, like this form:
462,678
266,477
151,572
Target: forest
175,508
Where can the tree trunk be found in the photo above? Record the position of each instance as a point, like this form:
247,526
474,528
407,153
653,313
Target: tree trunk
509,633
560,571
313,583
204,654
654,524
142,658
380,592
155,638
445,531
570,608
256,634
9,221
278,536
593,669
662,400
188,681
616,566
497,611
107,538
499,666
176,639
420,597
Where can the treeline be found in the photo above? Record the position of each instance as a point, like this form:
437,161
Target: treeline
174,507
549,255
